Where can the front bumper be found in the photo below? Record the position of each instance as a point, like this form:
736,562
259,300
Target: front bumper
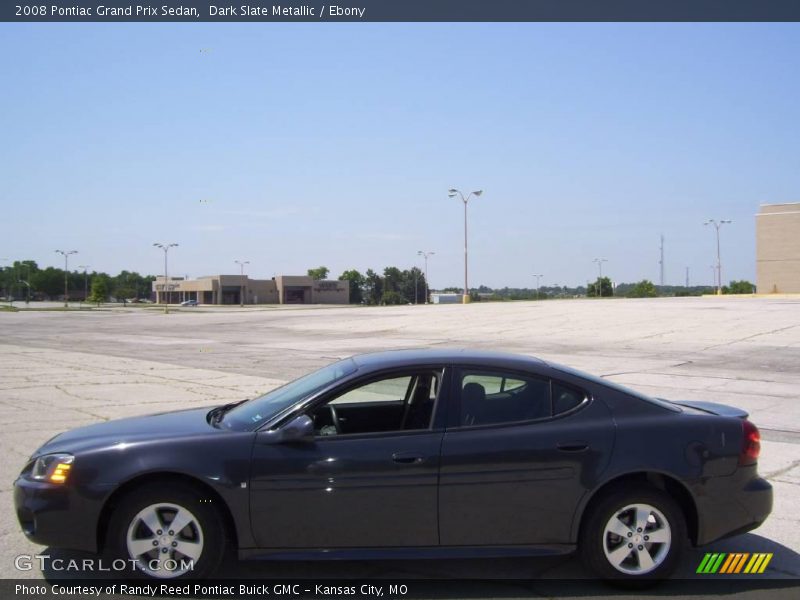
733,505
59,515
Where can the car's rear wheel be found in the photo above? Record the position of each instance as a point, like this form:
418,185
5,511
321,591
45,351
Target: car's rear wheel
167,533
635,535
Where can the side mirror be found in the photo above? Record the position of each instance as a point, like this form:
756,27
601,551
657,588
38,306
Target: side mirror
299,429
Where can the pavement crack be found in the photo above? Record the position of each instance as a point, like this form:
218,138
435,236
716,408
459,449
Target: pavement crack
783,471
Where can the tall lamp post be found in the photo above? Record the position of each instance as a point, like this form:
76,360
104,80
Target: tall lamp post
241,264
454,193
5,285
600,262
426,255
717,225
538,287
165,248
66,254
85,281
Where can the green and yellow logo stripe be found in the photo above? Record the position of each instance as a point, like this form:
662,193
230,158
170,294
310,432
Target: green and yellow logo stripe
734,562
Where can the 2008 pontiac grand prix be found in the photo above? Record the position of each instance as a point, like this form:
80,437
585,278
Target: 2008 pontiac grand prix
423,453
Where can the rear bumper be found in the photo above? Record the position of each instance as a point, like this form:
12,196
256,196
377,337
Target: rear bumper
728,506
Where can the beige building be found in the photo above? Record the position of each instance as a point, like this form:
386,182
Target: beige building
232,289
778,248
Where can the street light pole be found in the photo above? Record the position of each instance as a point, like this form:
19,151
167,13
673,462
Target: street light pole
66,273
85,282
425,255
165,248
600,262
538,287
453,193
241,292
717,225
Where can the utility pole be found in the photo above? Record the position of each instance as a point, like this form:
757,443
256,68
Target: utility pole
538,286
66,273
453,192
165,248
599,262
425,255
717,225
241,292
85,282
661,262
687,278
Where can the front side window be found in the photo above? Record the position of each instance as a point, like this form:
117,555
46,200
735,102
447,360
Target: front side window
393,403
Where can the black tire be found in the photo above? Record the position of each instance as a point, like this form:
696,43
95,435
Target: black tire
595,541
203,536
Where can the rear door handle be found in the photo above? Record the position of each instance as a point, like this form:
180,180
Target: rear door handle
407,458
573,446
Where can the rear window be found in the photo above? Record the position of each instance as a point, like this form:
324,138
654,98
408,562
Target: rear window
620,388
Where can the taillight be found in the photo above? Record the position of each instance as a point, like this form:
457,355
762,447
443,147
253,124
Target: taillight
751,444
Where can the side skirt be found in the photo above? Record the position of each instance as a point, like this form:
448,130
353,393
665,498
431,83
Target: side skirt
427,552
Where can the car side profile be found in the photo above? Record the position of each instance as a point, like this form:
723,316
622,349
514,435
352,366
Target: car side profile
415,453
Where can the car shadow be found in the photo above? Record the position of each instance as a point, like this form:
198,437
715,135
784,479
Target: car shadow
504,577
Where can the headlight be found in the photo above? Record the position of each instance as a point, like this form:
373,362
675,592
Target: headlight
54,468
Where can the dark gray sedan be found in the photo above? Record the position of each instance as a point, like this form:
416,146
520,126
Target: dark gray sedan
421,453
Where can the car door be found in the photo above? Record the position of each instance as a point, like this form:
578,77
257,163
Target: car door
512,471
371,483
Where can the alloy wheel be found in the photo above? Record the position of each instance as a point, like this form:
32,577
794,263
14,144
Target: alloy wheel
637,539
165,540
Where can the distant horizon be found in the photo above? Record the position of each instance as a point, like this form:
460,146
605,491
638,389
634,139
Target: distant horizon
279,144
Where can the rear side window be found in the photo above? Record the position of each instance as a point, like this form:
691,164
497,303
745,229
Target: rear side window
490,397
565,398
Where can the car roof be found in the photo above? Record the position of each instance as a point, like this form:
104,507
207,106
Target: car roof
426,356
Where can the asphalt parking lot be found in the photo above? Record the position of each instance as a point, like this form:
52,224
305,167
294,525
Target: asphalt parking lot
60,370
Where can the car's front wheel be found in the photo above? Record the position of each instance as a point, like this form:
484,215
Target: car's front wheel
167,533
635,535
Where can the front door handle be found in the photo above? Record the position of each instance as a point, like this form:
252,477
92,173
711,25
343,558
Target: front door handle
573,446
407,458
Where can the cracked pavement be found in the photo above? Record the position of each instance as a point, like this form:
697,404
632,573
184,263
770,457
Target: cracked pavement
60,370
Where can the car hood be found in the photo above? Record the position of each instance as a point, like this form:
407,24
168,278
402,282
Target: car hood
181,423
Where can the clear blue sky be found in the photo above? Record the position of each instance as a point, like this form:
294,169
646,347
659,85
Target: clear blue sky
296,145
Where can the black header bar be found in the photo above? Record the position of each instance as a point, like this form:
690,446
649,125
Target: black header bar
218,11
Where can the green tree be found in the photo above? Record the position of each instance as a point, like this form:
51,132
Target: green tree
373,287
605,288
393,279
644,289
739,287
49,281
393,298
357,282
318,273
100,288
412,285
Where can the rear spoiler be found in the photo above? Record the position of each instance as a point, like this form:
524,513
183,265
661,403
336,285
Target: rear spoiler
723,410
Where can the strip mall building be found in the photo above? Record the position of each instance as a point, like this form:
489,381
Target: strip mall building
778,248
240,289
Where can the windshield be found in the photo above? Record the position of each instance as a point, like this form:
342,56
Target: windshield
253,413
621,388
